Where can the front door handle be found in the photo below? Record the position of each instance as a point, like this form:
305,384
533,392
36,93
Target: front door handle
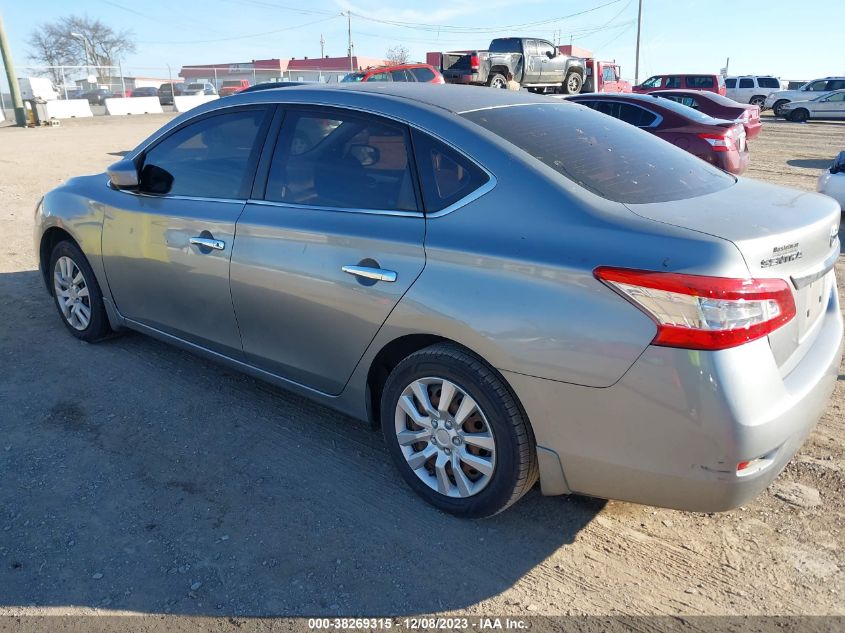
208,242
379,274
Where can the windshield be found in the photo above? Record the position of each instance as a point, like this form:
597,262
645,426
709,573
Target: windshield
611,158
353,77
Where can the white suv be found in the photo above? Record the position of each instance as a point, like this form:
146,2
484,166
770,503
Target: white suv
752,89
806,92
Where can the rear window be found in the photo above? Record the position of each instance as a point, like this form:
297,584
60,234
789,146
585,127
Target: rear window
506,45
604,155
701,81
768,82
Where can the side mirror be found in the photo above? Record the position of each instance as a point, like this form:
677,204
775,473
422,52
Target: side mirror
550,54
156,180
123,175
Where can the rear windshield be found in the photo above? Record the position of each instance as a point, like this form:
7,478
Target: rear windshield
682,110
611,158
230,84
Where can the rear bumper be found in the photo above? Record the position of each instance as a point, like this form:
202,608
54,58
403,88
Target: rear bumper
752,130
457,77
671,432
733,162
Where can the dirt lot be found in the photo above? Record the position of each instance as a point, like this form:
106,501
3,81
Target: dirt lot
139,478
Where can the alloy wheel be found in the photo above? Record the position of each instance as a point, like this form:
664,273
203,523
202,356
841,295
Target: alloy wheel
445,437
72,294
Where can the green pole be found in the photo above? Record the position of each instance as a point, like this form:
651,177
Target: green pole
14,89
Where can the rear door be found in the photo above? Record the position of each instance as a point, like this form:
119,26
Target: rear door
328,246
533,62
830,107
745,89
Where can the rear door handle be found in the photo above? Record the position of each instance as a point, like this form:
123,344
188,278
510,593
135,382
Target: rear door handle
208,242
379,274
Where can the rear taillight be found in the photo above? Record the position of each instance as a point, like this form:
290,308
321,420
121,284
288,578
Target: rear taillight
698,312
473,62
720,142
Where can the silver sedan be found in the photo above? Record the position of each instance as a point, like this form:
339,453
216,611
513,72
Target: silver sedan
513,287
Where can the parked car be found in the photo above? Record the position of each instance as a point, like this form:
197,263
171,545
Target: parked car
144,91
603,77
825,106
719,142
233,86
671,333
532,62
711,83
167,91
751,89
832,181
71,93
199,89
811,89
267,85
718,107
98,96
422,73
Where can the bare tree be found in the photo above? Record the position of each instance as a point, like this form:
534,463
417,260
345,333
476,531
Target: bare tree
78,41
397,54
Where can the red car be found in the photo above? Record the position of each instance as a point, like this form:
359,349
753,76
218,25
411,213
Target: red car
232,86
718,107
400,72
710,83
719,142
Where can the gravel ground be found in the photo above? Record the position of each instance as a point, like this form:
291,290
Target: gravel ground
138,478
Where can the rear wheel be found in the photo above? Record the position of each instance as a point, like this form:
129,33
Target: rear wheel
572,84
800,115
76,293
456,433
498,81
758,101
776,108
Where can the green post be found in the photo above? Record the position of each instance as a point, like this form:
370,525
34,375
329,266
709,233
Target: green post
14,89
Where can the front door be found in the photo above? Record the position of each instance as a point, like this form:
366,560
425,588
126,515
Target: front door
830,107
322,260
554,65
166,247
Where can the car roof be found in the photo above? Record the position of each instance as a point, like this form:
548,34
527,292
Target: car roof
453,98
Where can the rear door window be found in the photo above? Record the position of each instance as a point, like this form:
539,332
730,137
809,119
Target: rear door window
400,75
348,161
836,84
446,176
422,74
730,83
673,82
699,82
607,157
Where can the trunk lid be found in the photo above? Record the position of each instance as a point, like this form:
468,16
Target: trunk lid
781,233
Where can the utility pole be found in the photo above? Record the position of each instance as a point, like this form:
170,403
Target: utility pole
639,29
349,38
322,47
14,89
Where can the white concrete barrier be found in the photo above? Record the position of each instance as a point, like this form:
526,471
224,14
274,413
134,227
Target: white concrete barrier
70,109
189,102
2,115
133,105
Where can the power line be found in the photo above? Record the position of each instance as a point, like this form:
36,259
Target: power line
243,37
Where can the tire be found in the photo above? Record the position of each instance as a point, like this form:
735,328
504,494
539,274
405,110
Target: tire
572,84
777,106
801,115
66,264
758,101
498,80
493,418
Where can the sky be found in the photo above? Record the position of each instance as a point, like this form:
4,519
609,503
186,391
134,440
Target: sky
677,35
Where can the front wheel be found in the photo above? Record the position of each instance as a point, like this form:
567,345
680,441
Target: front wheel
76,293
456,432
758,101
572,84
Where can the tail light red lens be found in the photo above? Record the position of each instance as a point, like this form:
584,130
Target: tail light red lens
473,61
700,312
